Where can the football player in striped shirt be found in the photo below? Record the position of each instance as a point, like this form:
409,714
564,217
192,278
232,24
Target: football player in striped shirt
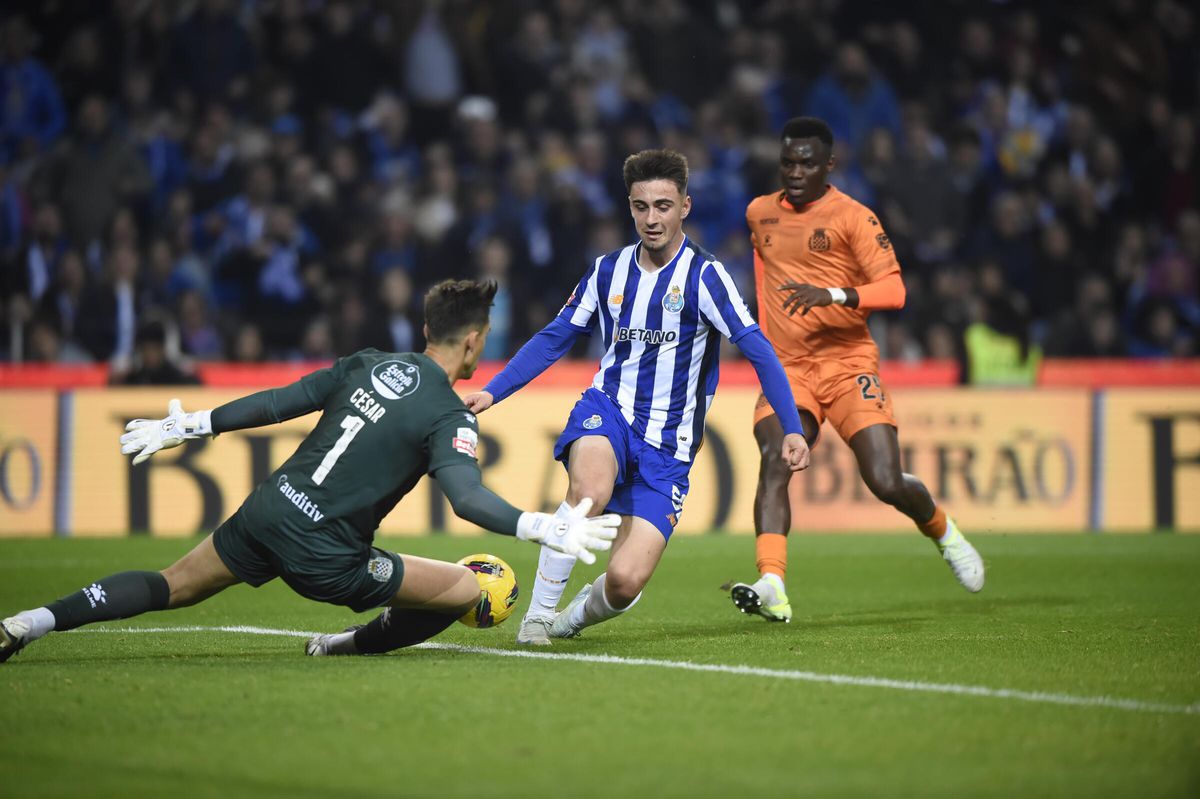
661,306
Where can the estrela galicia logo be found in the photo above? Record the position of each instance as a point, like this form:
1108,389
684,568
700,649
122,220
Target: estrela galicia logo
396,379
884,242
673,300
819,241
380,569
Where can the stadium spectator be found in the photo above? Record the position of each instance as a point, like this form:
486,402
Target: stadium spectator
47,345
281,159
108,315
211,54
93,174
33,108
853,97
152,364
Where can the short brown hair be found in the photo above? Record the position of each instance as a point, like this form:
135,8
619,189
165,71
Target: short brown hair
454,307
656,165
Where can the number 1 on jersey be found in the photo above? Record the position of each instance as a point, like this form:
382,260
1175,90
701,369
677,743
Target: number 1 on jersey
351,425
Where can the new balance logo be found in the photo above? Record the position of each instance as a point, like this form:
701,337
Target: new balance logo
300,499
96,594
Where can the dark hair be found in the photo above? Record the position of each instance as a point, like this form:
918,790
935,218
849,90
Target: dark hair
454,307
656,165
808,127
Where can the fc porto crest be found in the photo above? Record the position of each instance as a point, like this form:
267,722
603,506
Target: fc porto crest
673,300
819,241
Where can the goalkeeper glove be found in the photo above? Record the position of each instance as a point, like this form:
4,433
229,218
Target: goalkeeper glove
148,436
573,534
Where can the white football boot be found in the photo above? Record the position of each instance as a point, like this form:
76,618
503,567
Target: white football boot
562,627
962,558
766,598
534,631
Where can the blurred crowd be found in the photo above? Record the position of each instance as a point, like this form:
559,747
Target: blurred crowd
222,180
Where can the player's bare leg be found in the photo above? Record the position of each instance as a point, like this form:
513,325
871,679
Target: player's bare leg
195,577
635,555
877,449
432,596
591,472
767,596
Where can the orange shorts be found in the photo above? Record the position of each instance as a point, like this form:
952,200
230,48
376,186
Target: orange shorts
848,394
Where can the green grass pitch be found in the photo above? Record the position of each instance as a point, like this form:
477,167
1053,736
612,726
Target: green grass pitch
199,714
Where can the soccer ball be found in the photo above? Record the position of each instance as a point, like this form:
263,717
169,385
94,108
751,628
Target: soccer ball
498,587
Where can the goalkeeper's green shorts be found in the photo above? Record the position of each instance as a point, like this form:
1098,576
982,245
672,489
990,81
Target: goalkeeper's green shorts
358,579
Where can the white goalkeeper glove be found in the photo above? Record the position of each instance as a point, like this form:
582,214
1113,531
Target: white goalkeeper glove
148,436
573,534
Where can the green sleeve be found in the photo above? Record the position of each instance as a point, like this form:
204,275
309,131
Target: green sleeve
473,501
452,437
276,405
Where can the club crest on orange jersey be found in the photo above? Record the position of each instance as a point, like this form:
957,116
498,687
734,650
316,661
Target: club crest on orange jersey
884,242
819,240
673,300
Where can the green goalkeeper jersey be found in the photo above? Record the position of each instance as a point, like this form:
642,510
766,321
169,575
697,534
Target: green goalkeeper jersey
387,419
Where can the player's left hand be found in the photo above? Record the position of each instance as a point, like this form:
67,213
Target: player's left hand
795,452
148,436
804,295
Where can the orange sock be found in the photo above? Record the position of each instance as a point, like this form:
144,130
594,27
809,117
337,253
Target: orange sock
771,549
935,528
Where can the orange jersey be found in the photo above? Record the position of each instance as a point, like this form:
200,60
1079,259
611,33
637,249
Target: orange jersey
833,242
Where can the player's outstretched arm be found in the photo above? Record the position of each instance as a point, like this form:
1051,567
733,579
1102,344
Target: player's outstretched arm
275,405
574,534
775,386
545,348
147,436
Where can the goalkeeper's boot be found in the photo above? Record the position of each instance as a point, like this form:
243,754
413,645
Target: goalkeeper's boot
535,631
13,637
964,561
766,598
562,627
330,643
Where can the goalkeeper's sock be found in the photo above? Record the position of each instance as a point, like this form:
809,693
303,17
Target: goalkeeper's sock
342,644
39,621
935,528
554,569
395,629
597,608
771,552
116,597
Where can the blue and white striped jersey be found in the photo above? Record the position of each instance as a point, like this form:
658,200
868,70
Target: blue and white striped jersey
661,333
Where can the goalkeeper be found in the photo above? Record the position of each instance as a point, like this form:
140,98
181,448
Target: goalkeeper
387,419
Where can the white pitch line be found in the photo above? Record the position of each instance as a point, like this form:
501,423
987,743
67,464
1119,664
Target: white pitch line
1042,697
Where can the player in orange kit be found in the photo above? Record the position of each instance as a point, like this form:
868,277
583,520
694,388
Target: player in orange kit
822,263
